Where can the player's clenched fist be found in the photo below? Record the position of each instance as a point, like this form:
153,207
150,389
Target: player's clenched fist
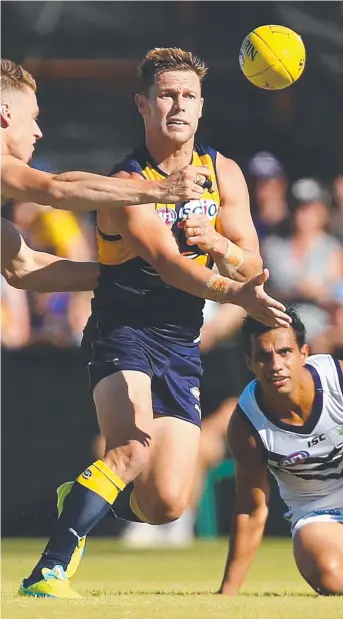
186,184
199,231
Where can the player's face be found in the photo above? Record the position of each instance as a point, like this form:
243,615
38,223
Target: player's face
173,107
276,360
22,130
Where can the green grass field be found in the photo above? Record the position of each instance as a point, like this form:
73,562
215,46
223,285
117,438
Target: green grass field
166,584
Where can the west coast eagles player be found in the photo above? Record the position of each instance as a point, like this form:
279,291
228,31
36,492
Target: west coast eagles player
290,421
143,333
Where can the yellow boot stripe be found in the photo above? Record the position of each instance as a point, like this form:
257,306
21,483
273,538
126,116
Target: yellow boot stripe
136,509
97,481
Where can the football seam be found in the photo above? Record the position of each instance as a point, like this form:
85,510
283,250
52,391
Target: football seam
275,56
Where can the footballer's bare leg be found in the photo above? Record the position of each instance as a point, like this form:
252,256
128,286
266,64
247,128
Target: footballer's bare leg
125,416
318,552
163,489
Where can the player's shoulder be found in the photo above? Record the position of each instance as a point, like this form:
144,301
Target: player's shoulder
329,370
134,162
243,437
322,361
247,397
230,172
203,149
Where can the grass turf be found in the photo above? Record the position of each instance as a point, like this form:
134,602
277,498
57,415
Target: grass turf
166,584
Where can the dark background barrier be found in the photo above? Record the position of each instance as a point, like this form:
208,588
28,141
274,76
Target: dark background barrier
48,423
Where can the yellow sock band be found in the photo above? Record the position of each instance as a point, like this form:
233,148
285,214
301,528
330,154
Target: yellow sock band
99,478
136,509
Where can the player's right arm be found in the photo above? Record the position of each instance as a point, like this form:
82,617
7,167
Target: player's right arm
251,503
153,241
82,191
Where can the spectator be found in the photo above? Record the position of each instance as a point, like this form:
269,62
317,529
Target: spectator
306,267
331,340
337,217
269,195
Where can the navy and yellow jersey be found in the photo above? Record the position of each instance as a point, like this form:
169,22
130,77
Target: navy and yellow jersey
130,291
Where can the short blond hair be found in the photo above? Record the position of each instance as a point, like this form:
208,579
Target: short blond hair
161,59
15,77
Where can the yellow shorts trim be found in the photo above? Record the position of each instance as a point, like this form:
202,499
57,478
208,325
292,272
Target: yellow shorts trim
136,509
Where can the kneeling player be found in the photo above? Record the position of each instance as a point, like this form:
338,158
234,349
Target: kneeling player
290,421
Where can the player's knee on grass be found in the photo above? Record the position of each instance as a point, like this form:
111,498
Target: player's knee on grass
127,461
324,573
319,556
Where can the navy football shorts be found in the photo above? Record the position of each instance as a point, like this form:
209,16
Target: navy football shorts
174,369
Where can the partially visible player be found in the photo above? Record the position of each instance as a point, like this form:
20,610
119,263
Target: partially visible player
290,421
75,191
143,335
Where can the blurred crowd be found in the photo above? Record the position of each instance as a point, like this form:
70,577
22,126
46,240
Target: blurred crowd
300,227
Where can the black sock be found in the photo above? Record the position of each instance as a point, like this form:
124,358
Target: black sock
122,508
126,507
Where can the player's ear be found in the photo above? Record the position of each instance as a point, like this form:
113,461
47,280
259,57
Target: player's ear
140,102
5,115
304,353
201,106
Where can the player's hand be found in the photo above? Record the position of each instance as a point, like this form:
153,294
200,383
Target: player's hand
199,231
184,185
258,304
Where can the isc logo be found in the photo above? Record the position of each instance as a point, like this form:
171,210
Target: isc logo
315,440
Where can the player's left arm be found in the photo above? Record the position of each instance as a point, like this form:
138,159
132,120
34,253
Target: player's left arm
27,269
251,502
234,244
56,274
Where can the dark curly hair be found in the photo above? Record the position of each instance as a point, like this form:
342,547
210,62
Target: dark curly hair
253,327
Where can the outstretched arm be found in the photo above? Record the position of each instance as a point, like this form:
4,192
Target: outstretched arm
82,191
28,269
251,503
